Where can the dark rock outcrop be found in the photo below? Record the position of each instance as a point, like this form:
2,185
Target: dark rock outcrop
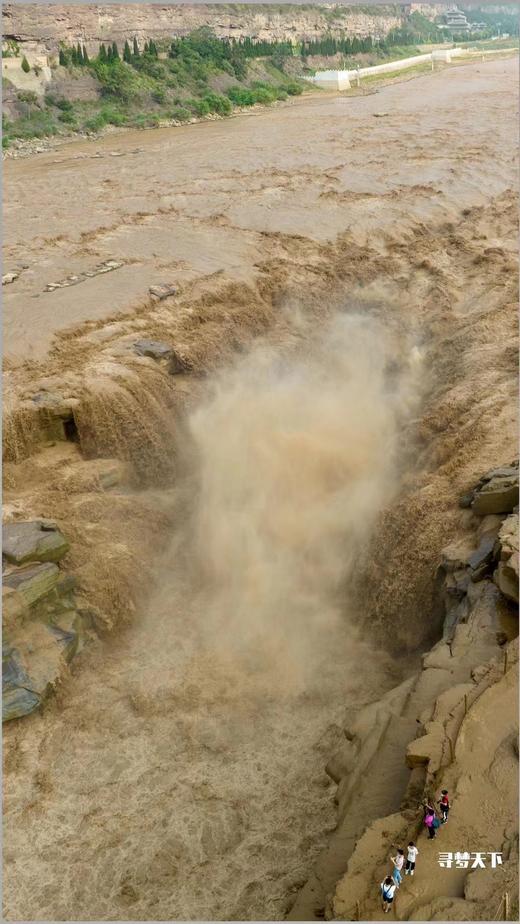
34,540
152,348
42,627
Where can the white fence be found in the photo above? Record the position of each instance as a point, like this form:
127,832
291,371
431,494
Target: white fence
340,80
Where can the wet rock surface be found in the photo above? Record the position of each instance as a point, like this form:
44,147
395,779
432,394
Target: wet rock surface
153,349
164,290
43,629
39,540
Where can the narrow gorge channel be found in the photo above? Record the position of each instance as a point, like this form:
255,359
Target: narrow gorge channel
196,759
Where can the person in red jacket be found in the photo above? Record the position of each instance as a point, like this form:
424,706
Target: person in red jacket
444,805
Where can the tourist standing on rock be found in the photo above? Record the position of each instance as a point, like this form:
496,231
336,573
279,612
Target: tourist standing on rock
398,862
444,804
411,857
388,888
429,818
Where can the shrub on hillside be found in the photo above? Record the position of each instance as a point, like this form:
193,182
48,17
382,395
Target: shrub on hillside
95,124
180,114
264,96
113,116
67,117
35,125
27,96
25,65
199,106
159,95
146,121
240,96
217,103
117,79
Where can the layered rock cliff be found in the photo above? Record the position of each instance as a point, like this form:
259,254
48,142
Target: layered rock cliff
92,24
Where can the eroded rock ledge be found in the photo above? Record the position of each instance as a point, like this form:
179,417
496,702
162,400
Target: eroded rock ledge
452,724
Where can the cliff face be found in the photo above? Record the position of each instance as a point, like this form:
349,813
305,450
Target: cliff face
92,24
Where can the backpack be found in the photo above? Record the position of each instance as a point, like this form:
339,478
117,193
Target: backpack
436,823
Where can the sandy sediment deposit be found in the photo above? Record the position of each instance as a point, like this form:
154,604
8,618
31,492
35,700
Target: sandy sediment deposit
251,367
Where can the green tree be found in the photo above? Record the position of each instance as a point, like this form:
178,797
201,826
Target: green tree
86,59
146,48
127,54
109,53
79,53
102,54
74,55
63,58
26,67
115,52
136,48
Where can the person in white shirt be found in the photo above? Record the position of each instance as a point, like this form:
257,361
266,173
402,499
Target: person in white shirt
388,888
398,862
412,852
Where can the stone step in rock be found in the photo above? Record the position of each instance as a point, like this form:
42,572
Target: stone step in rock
33,540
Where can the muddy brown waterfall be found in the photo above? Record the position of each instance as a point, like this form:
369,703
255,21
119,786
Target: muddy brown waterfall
215,718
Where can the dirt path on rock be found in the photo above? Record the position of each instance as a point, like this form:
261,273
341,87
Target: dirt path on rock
164,781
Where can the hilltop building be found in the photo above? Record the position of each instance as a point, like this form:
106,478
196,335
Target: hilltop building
456,21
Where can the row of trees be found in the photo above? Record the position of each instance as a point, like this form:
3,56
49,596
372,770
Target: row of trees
328,45
78,55
204,45
252,48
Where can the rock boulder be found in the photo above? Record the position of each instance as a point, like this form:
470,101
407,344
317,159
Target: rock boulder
162,291
33,540
506,550
497,491
152,348
33,582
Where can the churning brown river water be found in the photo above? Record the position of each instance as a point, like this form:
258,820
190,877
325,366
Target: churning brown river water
179,775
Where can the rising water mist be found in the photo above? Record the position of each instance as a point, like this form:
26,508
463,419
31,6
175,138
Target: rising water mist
295,457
